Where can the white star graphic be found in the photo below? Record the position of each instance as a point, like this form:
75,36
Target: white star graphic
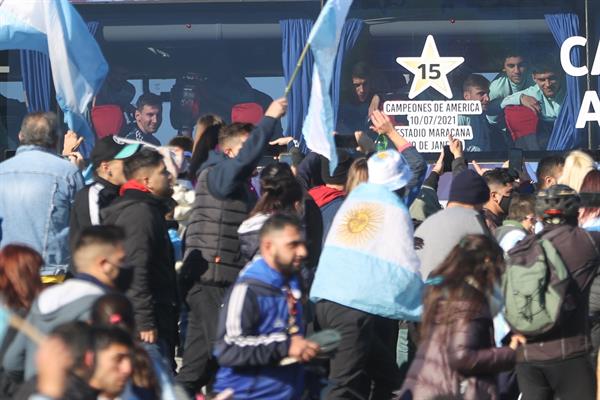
430,70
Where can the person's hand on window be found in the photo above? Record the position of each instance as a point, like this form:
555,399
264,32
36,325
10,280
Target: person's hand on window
375,102
532,103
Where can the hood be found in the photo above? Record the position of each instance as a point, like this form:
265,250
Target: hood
253,224
324,195
131,197
65,302
259,270
214,157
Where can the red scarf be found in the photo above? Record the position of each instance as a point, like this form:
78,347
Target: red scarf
132,184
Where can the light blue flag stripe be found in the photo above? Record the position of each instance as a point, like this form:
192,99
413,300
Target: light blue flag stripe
78,66
324,39
4,322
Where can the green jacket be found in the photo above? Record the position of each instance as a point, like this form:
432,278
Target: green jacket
550,106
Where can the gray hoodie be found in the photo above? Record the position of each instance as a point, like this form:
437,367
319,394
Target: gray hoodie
69,301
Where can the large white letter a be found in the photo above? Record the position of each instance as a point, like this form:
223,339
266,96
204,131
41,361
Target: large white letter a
590,98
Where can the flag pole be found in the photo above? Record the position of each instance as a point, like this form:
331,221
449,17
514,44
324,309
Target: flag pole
298,65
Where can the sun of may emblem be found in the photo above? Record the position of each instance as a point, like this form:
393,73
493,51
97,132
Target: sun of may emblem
430,70
361,223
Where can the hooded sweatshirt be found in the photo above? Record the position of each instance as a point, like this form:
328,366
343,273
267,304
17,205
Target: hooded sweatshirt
329,201
69,301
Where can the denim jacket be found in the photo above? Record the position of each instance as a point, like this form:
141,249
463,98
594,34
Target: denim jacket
37,189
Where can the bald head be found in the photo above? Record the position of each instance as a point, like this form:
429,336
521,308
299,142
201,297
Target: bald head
39,129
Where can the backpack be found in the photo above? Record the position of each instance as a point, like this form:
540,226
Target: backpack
535,285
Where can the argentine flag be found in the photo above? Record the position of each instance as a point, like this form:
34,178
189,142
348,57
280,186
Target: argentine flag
324,39
368,261
78,67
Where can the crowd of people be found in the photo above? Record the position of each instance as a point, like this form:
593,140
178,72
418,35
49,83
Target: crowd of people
196,270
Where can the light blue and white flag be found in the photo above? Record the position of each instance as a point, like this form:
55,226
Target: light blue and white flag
324,39
78,67
368,261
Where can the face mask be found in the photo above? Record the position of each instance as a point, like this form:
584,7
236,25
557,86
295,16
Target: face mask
123,280
505,204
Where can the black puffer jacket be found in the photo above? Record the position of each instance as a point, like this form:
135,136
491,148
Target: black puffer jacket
458,358
153,291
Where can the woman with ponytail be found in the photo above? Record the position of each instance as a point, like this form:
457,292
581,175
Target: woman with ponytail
280,192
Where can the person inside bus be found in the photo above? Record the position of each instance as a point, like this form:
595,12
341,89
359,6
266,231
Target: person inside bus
477,87
148,117
355,110
545,98
513,78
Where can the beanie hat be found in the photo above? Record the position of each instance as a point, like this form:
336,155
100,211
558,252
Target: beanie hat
340,173
390,169
468,187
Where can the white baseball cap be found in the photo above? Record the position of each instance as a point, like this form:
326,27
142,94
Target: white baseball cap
390,169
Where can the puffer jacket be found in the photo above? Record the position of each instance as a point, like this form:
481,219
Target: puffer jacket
457,358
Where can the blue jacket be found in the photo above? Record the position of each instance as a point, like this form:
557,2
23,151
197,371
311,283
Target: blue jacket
37,190
252,336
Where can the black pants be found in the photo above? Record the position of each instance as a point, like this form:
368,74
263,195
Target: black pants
365,356
199,366
563,379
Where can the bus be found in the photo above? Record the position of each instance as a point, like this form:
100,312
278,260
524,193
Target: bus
435,66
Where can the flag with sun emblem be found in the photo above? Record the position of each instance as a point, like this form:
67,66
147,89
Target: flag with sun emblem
368,260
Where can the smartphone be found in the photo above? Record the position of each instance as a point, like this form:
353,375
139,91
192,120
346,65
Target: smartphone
285,158
345,141
448,158
515,159
9,153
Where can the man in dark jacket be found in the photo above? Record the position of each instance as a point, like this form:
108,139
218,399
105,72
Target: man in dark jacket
148,117
141,211
556,364
224,198
107,159
501,187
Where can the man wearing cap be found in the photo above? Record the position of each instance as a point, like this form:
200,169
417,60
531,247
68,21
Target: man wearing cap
368,279
107,163
444,229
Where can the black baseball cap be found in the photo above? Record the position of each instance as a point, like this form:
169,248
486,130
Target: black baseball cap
110,148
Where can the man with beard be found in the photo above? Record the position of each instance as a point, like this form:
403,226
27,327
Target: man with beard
141,211
545,98
261,321
148,117
501,187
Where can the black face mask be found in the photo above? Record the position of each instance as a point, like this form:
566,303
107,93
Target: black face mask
123,281
505,204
